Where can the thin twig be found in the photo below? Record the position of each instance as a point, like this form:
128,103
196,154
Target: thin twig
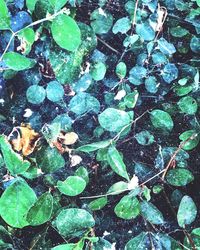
176,152
48,18
107,45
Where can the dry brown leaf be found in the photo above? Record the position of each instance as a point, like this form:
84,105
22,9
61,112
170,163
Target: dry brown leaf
69,138
26,141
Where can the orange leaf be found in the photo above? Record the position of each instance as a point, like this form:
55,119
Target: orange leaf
26,141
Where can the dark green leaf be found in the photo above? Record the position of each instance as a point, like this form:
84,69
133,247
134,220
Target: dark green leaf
116,162
151,213
41,211
187,211
114,120
161,120
179,177
128,208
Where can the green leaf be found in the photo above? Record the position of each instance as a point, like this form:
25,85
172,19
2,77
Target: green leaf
122,25
188,105
101,21
18,62
138,243
166,47
131,99
35,94
151,84
72,186
191,143
145,31
116,162
136,74
161,120
55,91
49,160
178,31
151,213
57,4
98,71
114,120
144,138
118,188
41,211
83,173
13,161
70,246
15,202
121,70
94,146
66,32
187,211
4,16
83,103
27,38
30,4
98,203
73,221
128,208
169,73
195,44
179,177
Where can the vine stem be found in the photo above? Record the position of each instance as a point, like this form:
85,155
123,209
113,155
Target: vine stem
163,171
176,152
48,18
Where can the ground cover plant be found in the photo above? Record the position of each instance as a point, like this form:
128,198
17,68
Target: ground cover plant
99,124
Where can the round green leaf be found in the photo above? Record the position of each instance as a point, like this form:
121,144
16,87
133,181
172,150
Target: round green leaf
191,143
179,177
114,120
128,208
72,186
187,211
101,21
122,25
178,31
83,103
72,221
145,31
55,91
98,71
188,105
70,246
144,138
35,94
66,32
41,211
161,120
15,203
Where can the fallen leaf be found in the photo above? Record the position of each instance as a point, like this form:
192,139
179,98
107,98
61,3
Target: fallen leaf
75,160
26,140
69,138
